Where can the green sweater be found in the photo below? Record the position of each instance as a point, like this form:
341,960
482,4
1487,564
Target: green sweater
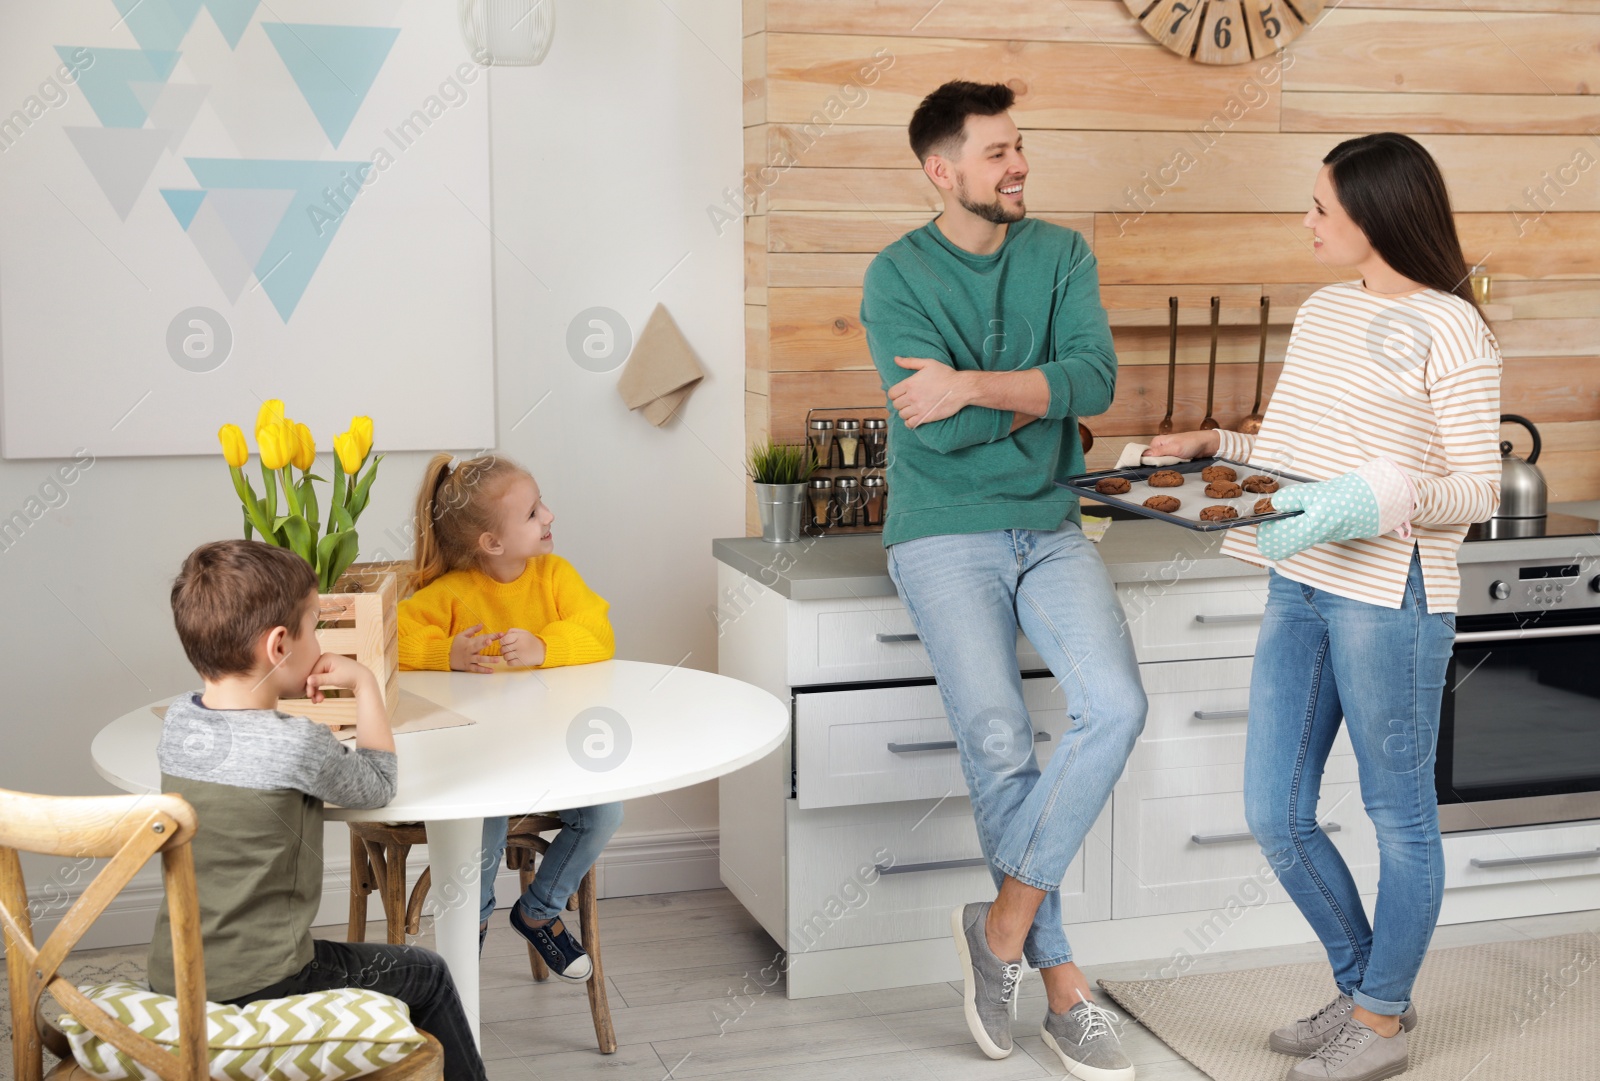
1034,303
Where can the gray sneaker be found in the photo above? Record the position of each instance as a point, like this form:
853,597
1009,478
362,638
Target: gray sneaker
1088,1046
988,984
1355,1053
1305,1036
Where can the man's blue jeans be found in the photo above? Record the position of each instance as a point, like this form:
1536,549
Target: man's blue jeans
967,595
584,832
1321,656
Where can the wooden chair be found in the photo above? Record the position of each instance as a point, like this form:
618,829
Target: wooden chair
378,853
128,830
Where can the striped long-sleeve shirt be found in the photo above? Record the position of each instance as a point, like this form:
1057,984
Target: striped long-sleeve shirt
1414,379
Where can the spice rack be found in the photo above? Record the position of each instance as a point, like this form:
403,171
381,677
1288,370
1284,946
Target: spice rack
854,498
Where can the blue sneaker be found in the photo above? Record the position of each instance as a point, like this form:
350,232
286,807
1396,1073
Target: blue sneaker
561,952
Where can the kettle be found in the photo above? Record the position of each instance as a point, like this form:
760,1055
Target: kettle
1523,493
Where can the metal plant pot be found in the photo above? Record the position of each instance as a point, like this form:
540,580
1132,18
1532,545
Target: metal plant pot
781,508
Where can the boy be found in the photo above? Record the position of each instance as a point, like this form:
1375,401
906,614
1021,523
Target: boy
246,613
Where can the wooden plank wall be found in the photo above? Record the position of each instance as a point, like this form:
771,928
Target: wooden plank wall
1186,179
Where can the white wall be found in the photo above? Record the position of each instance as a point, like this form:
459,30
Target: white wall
604,160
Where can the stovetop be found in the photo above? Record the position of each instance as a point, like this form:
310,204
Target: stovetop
1553,525
1532,567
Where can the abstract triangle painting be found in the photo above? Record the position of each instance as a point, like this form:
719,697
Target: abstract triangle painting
313,176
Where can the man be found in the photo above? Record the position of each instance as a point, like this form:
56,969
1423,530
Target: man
987,329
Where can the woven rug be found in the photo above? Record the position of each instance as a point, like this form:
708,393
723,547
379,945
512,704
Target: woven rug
1504,1011
102,966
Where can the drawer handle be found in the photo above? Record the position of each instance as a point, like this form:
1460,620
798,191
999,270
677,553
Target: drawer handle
896,639
1246,835
947,744
1231,617
1219,714
1553,857
940,865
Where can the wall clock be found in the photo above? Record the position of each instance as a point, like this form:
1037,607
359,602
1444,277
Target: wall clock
1224,31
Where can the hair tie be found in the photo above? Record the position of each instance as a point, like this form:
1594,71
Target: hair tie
454,463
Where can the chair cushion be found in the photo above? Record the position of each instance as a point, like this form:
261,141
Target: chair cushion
325,1036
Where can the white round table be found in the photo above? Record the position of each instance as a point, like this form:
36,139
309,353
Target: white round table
543,740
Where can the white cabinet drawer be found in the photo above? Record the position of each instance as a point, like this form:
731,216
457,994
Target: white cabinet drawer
1198,713
1182,845
1530,854
1217,617
893,873
862,640
894,743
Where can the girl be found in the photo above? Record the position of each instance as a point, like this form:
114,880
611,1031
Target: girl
1397,378
484,559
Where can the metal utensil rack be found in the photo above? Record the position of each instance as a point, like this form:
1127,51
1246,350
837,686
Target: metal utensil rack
859,471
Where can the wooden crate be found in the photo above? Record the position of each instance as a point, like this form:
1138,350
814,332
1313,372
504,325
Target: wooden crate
360,621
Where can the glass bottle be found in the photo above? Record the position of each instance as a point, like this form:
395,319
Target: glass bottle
872,499
820,433
875,437
848,439
847,496
820,494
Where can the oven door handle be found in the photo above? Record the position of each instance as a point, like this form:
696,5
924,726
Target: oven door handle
1535,632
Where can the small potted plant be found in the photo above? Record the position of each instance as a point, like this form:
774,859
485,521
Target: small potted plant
780,472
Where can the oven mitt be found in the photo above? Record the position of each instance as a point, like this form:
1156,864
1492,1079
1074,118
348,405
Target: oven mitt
1375,499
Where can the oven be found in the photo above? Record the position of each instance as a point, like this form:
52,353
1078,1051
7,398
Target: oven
1519,731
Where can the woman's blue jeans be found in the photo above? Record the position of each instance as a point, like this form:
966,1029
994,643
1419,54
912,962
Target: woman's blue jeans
967,594
1320,658
584,832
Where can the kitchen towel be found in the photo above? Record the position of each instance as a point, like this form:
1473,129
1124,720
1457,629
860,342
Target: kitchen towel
661,370
1136,454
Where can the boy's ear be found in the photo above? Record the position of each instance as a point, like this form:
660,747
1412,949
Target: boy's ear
273,646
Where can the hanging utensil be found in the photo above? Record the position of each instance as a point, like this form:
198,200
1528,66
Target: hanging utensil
1211,378
1251,424
1165,427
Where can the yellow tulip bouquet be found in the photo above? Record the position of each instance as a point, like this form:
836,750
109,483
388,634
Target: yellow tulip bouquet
287,447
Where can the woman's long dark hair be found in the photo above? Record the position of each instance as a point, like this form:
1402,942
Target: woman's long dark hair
1392,189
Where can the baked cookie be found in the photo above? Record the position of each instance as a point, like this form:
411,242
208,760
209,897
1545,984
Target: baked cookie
1218,472
1264,506
1260,484
1219,513
1163,503
1223,489
1165,478
1112,486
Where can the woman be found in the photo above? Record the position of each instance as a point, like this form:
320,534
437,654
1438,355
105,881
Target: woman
1389,401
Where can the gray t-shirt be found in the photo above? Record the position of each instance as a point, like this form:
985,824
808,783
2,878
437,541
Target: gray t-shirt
257,779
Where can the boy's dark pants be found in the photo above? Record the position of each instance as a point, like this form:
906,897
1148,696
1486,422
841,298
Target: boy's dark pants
415,976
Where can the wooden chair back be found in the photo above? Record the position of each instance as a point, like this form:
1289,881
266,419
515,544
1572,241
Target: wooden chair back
127,830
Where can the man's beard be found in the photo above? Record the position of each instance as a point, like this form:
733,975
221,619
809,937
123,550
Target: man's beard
995,212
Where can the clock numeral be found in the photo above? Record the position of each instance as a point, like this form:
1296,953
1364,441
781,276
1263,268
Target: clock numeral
1270,23
1221,35
1184,9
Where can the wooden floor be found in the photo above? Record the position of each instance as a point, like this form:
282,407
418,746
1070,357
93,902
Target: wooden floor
689,999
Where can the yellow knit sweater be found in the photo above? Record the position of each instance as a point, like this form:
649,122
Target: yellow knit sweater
549,600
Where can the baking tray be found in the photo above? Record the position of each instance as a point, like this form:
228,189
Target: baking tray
1191,494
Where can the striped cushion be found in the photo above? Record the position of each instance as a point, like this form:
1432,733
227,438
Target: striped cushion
326,1036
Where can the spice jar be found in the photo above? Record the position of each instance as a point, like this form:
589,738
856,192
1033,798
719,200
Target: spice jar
872,492
820,433
820,493
848,438
875,440
847,498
